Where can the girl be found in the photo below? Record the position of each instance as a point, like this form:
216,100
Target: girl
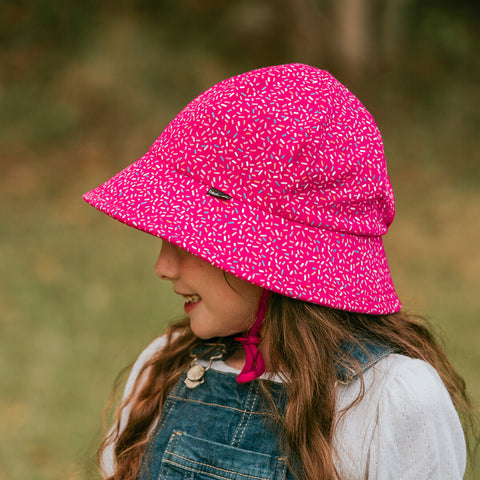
271,195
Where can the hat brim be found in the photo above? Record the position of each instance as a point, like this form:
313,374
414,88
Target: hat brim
283,256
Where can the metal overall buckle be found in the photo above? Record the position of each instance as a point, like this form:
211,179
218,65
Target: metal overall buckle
196,372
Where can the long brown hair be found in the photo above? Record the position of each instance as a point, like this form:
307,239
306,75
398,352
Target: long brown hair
303,344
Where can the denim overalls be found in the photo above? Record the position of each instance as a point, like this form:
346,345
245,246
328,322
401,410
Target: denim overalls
219,431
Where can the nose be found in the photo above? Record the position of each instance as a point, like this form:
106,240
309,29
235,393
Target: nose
167,265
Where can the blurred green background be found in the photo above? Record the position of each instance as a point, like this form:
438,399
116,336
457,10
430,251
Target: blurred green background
86,87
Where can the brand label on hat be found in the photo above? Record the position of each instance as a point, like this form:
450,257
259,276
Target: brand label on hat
218,194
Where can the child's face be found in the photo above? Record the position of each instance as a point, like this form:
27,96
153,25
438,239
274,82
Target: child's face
215,308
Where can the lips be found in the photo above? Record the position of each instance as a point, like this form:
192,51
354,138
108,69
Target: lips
191,302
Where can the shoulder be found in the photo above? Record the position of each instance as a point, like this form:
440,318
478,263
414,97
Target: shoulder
400,379
410,420
403,382
412,395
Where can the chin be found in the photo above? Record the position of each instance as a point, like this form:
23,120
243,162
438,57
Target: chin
208,335
202,333
204,336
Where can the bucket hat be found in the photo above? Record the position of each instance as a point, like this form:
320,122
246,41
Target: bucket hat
277,176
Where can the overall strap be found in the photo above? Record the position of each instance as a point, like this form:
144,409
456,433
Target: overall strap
366,353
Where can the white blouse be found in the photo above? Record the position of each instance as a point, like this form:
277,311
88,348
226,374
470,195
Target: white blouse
404,428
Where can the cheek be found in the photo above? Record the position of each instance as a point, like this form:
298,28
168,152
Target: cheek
225,294
247,298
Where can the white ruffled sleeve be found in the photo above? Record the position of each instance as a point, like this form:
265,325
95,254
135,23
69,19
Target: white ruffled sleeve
107,461
418,434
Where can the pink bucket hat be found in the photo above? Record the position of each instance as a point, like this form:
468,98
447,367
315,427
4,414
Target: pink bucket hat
277,176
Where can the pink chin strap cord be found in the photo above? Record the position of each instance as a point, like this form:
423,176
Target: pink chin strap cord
254,363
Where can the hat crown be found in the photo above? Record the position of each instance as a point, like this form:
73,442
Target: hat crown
291,141
277,176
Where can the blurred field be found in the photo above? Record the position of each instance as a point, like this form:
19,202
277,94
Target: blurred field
78,295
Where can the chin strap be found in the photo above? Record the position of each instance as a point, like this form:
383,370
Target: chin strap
254,363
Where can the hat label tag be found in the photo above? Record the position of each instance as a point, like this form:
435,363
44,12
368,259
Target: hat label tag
218,194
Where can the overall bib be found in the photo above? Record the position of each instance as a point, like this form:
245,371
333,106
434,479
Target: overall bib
219,430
